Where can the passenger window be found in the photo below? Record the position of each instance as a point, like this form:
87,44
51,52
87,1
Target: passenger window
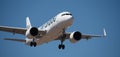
45,26
51,21
54,19
48,23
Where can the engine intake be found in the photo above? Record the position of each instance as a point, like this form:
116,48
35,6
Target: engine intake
32,32
75,36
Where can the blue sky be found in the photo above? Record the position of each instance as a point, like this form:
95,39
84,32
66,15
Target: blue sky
90,17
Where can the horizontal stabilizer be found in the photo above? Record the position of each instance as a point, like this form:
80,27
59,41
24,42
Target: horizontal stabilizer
12,39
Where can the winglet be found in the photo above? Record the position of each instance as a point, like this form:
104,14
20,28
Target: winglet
104,32
28,24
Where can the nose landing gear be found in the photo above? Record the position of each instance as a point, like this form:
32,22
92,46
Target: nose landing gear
62,40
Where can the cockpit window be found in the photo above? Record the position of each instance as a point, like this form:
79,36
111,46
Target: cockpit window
66,14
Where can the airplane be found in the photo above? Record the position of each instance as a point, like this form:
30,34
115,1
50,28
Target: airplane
54,29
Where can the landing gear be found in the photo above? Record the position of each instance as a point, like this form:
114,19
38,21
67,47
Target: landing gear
61,46
33,44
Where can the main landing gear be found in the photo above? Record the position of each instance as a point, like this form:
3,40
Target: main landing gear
61,46
33,43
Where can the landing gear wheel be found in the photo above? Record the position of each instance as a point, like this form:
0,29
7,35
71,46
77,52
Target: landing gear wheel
61,46
33,44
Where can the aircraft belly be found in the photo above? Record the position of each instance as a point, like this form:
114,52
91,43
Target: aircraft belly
46,39
54,33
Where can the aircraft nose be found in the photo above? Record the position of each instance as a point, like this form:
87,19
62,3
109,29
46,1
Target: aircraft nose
70,17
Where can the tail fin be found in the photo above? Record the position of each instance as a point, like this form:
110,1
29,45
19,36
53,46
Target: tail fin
28,24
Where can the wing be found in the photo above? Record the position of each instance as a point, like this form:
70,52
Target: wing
13,29
88,36
18,30
85,36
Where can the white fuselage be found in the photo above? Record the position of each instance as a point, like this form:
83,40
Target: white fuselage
55,27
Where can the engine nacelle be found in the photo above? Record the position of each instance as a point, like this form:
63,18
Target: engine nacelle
75,36
32,32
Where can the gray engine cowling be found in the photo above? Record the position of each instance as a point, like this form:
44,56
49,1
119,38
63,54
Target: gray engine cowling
75,36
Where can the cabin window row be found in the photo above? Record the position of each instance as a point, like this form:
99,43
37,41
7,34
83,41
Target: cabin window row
49,23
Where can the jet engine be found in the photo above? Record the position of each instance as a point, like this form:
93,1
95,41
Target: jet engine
75,36
31,32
